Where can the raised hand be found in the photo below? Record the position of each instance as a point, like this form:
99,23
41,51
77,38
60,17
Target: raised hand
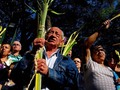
107,23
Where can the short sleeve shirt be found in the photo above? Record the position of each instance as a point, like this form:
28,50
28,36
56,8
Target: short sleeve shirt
98,77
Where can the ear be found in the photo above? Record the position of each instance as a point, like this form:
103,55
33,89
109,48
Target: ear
62,43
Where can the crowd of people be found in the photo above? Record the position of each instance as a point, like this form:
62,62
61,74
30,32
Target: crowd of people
58,72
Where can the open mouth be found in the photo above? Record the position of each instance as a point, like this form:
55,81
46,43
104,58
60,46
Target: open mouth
51,40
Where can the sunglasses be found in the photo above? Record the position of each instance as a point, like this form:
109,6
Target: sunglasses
77,61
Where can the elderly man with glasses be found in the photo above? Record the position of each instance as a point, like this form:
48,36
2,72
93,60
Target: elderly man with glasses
15,54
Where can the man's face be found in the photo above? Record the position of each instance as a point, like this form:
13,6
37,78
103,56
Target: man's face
77,62
98,54
54,36
5,49
16,46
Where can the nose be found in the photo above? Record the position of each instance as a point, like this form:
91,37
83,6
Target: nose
53,34
3,48
100,51
112,61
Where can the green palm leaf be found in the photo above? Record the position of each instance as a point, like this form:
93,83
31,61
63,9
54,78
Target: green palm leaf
2,34
118,15
42,14
117,53
71,42
54,12
30,8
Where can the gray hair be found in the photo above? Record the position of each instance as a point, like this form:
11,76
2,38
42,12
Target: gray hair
63,37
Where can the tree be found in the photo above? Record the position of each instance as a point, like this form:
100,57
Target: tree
77,13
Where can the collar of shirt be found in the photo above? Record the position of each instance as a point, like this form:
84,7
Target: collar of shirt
56,52
50,61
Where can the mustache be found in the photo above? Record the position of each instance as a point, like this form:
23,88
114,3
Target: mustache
51,38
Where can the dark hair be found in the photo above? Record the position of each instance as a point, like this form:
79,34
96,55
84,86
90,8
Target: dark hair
114,56
8,44
95,47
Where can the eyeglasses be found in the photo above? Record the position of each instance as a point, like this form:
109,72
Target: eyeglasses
97,50
16,44
77,61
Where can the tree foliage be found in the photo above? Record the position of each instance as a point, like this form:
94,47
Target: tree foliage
90,13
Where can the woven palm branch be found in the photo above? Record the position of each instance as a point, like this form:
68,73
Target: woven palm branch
43,6
41,33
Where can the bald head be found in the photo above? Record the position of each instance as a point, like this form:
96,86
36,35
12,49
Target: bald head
16,47
57,29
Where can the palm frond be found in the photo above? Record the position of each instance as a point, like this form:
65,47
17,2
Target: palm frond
71,42
118,15
54,12
2,34
117,53
31,8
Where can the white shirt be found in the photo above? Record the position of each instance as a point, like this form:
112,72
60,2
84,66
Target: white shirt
50,62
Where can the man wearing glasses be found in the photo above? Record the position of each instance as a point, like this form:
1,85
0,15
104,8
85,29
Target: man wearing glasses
77,63
16,48
97,75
